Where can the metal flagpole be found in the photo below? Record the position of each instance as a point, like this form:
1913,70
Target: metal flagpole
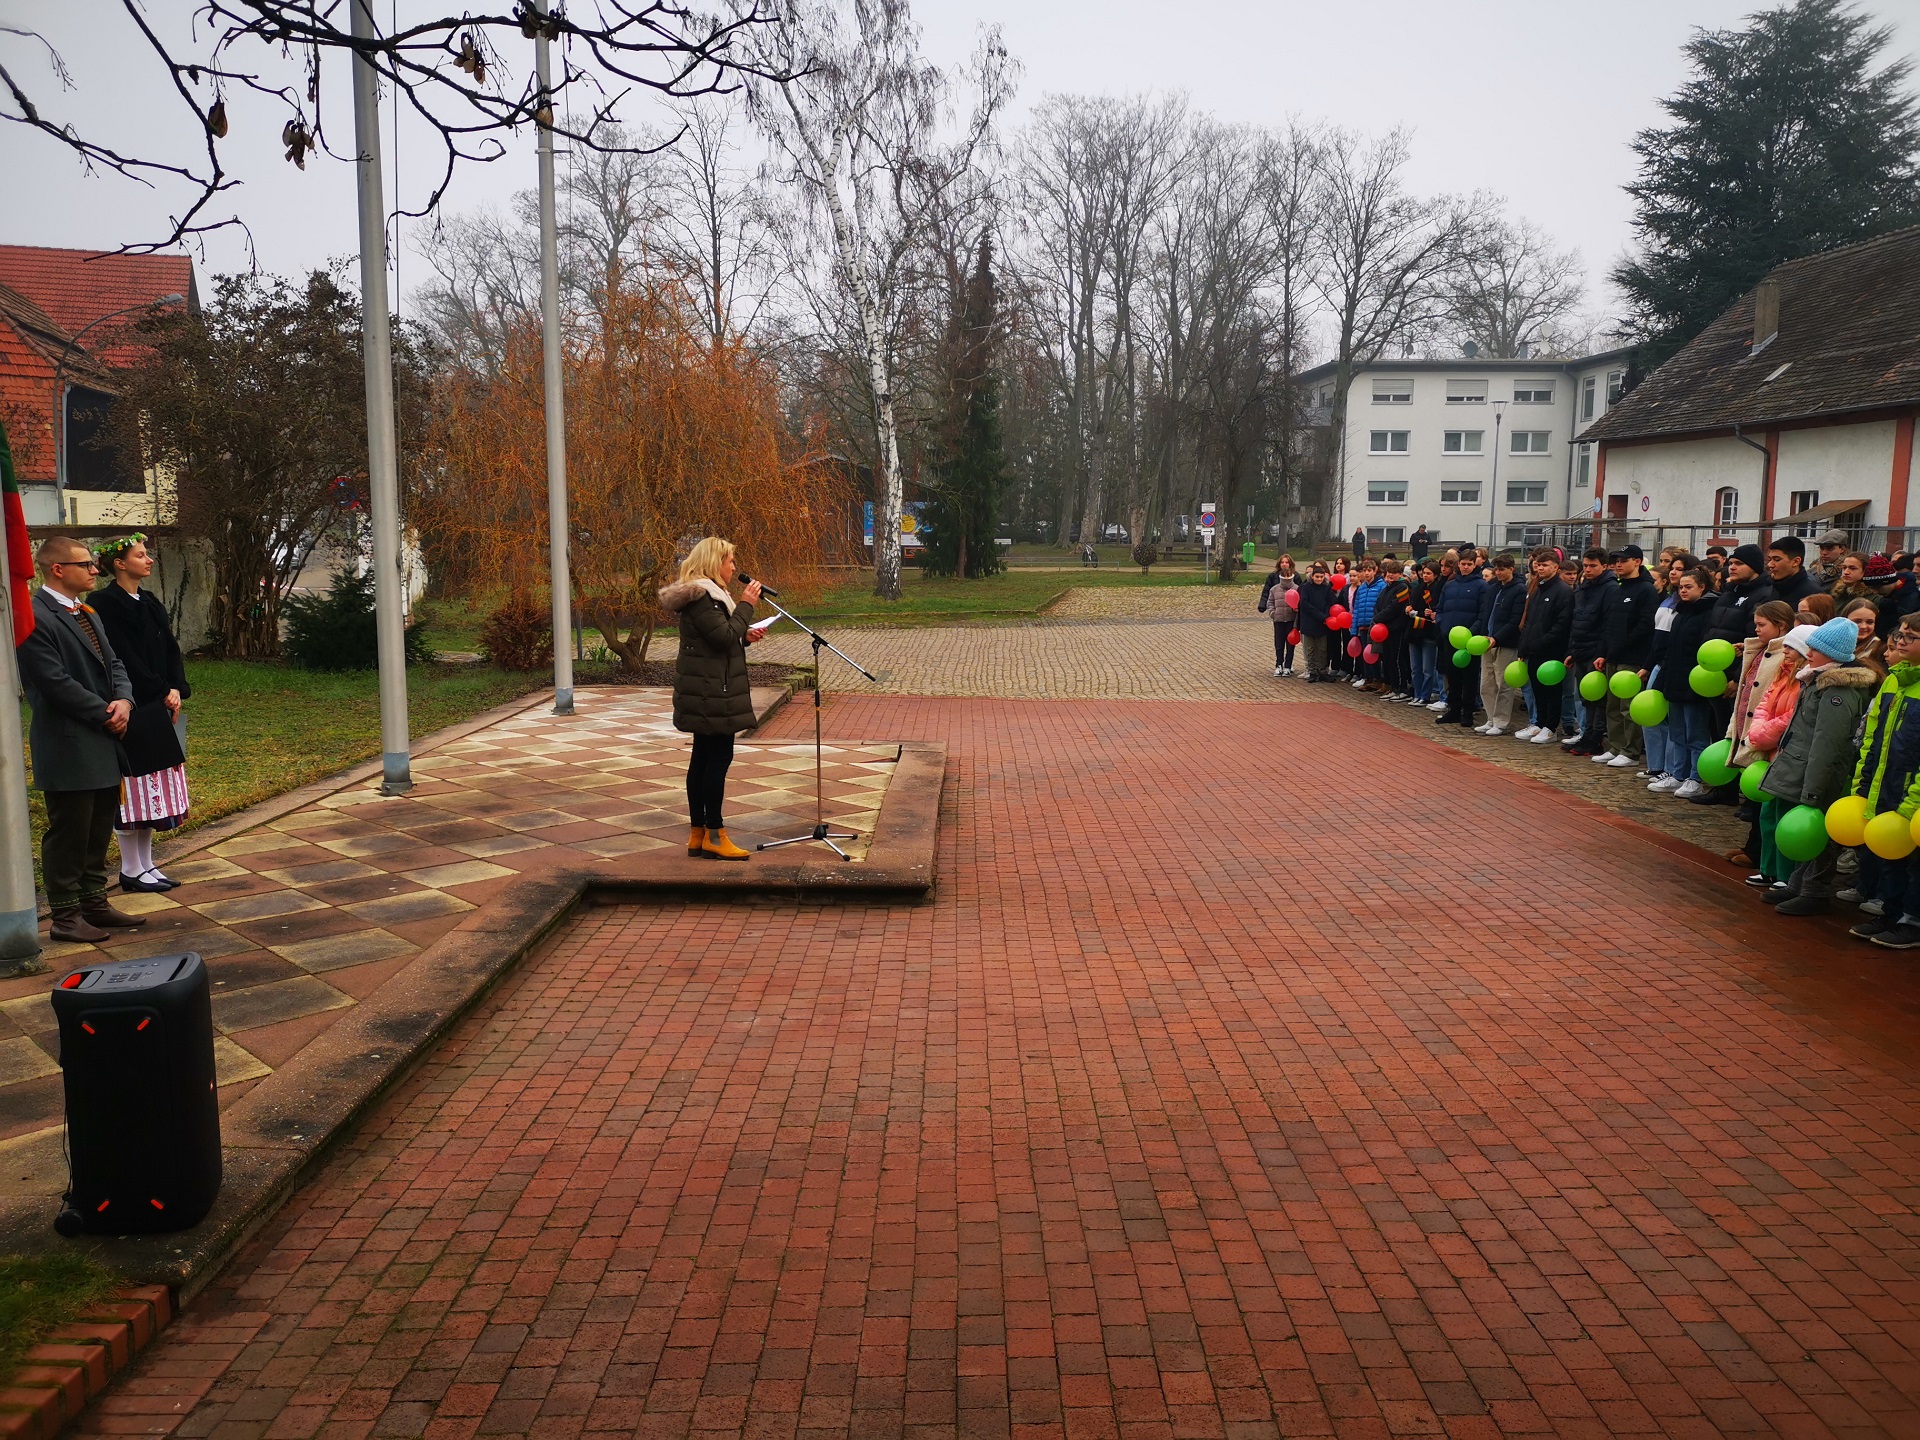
19,908
557,524
382,461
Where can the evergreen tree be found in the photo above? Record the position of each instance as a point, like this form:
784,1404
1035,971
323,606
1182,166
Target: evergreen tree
963,506
1786,142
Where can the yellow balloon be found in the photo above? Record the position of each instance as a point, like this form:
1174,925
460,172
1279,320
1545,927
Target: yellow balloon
1890,837
1847,820
1914,828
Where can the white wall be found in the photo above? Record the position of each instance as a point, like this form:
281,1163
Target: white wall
1842,462
1678,480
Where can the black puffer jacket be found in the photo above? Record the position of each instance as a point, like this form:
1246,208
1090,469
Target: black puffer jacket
1626,622
1548,621
1588,635
1682,648
1733,609
711,695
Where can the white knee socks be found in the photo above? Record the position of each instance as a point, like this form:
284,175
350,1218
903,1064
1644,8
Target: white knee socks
136,853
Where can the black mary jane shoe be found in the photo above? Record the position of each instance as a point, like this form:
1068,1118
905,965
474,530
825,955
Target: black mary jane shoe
134,885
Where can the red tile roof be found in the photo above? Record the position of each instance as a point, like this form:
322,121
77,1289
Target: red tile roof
77,287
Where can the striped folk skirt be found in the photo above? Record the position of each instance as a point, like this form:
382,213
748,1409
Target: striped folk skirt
158,800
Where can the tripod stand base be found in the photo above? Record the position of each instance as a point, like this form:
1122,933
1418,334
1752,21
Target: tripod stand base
819,832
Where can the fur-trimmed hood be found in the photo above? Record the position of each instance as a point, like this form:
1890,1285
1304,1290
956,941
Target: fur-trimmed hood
676,597
1851,677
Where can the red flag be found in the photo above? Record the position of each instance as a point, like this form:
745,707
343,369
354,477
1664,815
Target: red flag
13,519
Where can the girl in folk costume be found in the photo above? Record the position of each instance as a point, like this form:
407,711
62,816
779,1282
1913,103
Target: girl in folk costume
153,792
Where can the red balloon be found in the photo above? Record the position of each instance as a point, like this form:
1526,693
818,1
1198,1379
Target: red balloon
1338,620
1293,637
1353,647
1292,598
1371,654
1339,582
1378,633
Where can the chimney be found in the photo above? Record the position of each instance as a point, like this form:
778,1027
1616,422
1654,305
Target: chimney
1766,314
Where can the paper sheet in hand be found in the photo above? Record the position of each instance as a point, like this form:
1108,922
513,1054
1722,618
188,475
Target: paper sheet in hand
761,627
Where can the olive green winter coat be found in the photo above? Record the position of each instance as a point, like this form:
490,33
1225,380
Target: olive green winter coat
711,695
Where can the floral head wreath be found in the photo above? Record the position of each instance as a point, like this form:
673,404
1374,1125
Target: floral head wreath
109,551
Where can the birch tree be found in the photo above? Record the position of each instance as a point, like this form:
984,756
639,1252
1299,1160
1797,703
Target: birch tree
863,127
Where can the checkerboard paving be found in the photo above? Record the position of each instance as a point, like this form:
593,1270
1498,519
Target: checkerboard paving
1163,1118
301,917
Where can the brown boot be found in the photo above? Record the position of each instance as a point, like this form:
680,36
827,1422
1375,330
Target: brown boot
695,839
69,928
99,911
718,847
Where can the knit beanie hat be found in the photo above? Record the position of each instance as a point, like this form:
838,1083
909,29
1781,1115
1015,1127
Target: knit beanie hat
1836,639
1798,637
1749,556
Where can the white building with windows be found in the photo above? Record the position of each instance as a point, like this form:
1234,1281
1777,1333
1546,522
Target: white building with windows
1474,449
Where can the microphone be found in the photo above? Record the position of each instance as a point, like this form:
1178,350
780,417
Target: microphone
765,589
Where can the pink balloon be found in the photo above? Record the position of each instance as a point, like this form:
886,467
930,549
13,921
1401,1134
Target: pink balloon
1371,654
1353,647
1292,598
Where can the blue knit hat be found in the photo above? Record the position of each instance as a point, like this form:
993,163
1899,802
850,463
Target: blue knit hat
1836,639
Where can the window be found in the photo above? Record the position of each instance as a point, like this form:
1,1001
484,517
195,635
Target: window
1529,442
1463,442
1526,493
1616,382
1466,392
1583,466
1533,392
1726,507
1386,535
1459,494
1801,500
1388,442
1386,492
1529,536
1393,392
1586,398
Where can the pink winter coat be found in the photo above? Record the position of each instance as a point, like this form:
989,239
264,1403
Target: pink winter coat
1772,714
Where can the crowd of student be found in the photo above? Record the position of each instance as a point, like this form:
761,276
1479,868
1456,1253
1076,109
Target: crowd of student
1821,699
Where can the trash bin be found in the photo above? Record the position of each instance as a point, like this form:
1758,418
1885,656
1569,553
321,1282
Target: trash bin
1246,553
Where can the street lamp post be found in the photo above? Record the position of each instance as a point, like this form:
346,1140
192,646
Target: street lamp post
60,400
1493,485
558,528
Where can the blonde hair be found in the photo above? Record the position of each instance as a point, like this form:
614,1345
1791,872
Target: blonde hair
703,562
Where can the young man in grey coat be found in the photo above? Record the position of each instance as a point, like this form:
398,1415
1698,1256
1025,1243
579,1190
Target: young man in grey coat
81,703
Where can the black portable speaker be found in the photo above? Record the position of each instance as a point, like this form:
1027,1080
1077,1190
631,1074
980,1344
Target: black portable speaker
143,1121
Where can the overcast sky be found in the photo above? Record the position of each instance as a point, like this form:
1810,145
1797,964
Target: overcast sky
1536,102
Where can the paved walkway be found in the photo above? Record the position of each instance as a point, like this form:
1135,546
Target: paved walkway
1154,1122
301,916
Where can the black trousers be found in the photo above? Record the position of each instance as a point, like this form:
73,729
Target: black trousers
1463,692
73,853
707,779
1547,701
1394,666
1282,651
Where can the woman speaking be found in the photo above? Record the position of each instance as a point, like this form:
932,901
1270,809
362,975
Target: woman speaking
711,698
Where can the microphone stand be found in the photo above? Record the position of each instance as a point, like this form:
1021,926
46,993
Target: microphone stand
820,831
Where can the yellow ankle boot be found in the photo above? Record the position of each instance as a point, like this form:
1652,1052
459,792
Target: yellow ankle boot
695,839
718,847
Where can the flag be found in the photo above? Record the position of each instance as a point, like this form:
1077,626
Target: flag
13,519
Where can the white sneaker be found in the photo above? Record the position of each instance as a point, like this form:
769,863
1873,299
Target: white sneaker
1604,757
1278,671
1545,737
1568,742
1688,789
1663,785
1438,706
1496,730
1874,907
1359,684
1526,734
1622,762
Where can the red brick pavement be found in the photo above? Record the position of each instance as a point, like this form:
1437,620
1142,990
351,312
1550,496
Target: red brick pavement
1157,1121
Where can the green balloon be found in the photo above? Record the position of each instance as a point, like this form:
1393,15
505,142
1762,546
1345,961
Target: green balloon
1649,707
1717,655
1624,684
1750,779
1707,682
1551,673
1801,833
1713,767
1461,659
1515,674
1479,644
1593,686
1458,637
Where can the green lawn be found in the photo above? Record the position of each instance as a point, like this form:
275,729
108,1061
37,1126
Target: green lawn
43,1291
1012,595
256,729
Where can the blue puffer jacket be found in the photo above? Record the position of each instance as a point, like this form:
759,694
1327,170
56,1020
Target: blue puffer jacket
1459,604
1365,598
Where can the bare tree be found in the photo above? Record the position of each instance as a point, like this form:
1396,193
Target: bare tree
1289,175
861,127
1384,255
1510,287
715,224
469,77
